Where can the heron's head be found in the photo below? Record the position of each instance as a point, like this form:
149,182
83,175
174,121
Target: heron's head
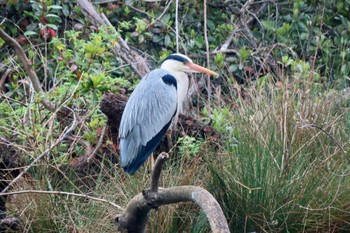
181,63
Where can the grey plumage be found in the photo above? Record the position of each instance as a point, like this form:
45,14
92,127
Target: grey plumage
150,107
156,100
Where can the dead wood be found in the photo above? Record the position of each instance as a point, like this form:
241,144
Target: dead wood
121,49
135,217
10,223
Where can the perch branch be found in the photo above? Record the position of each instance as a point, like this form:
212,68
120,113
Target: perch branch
137,210
157,170
135,216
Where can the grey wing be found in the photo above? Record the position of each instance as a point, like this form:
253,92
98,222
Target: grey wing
150,107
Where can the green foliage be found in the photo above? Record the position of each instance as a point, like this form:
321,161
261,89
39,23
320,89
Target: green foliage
189,146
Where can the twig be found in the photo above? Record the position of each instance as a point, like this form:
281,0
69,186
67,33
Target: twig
3,79
225,51
100,141
160,16
158,19
328,134
62,193
59,140
239,23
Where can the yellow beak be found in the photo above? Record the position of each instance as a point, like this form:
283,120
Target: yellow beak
201,69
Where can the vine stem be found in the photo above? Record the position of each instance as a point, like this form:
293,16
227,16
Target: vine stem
177,25
207,49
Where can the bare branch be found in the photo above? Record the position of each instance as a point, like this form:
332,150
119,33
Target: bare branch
100,141
136,213
28,68
242,23
63,193
157,170
3,79
177,25
207,54
131,57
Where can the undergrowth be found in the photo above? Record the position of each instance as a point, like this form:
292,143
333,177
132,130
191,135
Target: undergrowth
286,170
290,170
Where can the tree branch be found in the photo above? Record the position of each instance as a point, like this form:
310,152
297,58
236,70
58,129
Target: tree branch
131,57
63,193
242,23
136,214
157,170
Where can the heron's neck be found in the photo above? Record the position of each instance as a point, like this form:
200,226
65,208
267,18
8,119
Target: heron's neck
182,83
182,88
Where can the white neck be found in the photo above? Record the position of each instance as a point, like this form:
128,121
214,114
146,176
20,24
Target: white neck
182,88
182,83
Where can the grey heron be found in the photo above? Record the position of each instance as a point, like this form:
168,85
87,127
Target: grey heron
151,107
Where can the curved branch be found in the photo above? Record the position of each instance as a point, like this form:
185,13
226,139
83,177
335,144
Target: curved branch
157,170
135,216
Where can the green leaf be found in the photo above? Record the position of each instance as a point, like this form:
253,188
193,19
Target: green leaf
141,38
211,24
29,33
53,16
65,10
53,26
244,53
55,7
167,40
268,25
233,68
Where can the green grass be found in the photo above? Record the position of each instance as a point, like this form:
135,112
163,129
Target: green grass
289,171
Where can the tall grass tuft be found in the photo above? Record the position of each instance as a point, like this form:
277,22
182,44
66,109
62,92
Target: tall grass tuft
290,170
